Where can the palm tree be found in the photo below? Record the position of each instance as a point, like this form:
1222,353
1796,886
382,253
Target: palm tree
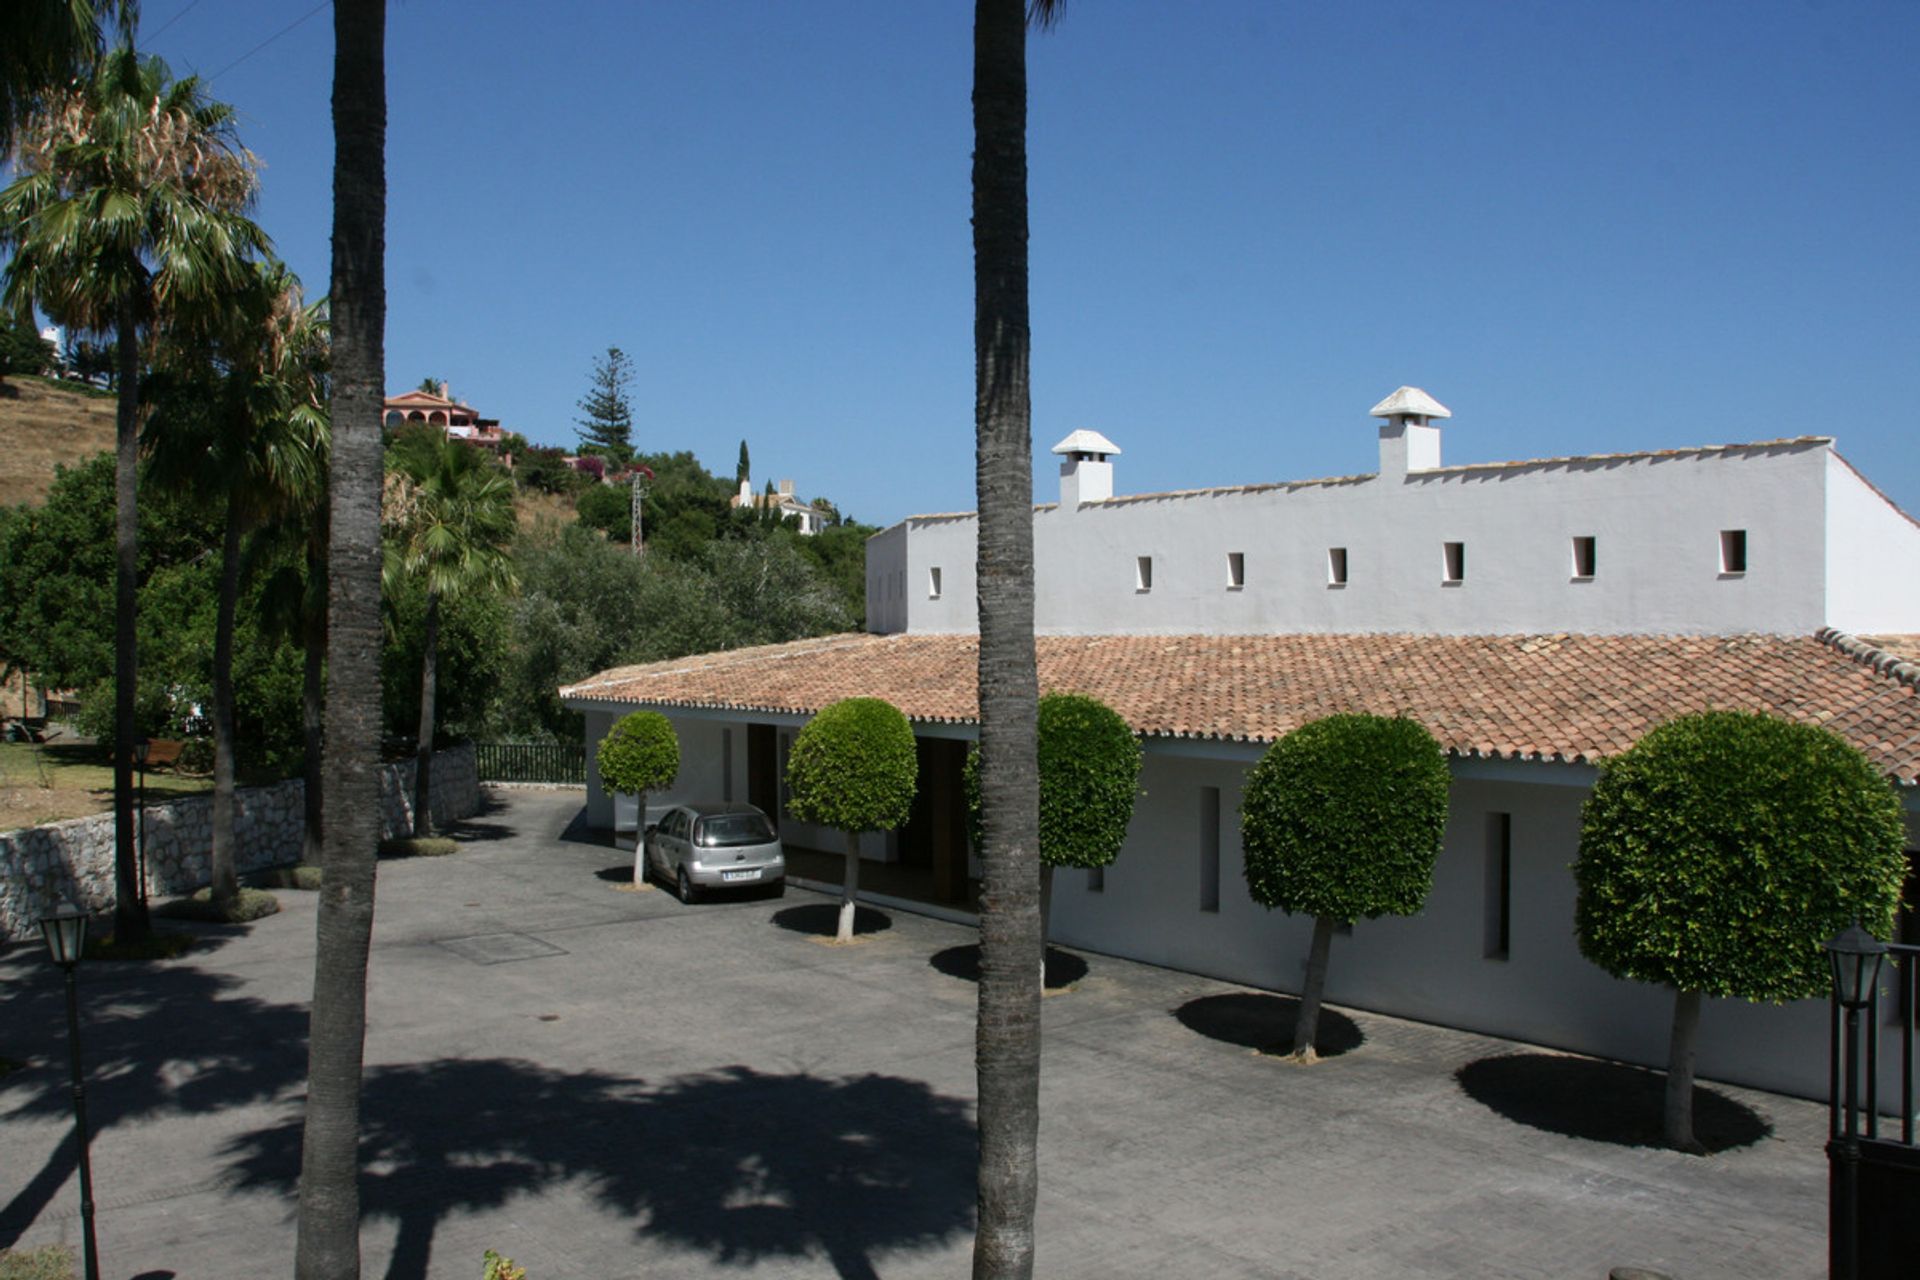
50,45
243,417
1007,1036
452,518
328,1241
129,213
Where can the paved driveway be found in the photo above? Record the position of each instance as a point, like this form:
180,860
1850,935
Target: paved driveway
608,1084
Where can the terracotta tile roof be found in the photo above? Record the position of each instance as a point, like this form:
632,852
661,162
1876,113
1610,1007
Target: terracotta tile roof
1551,697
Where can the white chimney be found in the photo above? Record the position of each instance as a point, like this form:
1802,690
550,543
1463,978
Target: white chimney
1085,473
1407,440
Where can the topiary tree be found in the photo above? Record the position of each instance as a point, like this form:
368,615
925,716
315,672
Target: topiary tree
640,753
1089,777
1718,854
1342,819
853,767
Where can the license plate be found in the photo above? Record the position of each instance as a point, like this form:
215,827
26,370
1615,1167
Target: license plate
740,875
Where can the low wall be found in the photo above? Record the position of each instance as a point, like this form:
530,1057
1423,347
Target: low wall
73,860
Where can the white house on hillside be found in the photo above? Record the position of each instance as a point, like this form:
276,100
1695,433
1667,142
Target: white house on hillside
1536,616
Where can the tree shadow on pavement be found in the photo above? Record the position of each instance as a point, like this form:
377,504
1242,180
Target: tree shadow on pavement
736,1163
822,919
155,1039
963,962
1602,1101
1255,1020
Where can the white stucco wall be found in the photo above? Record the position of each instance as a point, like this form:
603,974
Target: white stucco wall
1433,966
1873,558
1657,522
701,777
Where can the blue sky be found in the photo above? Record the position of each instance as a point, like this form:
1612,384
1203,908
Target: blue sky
1585,227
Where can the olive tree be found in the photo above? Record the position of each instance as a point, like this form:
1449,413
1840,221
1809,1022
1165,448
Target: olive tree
1718,854
639,754
1089,777
1342,819
853,767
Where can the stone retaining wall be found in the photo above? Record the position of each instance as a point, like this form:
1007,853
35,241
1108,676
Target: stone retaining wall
73,860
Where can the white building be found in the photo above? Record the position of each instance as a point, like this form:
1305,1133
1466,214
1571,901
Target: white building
809,519
1537,616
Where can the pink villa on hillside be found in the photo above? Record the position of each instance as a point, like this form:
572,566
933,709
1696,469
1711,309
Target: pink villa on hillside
461,421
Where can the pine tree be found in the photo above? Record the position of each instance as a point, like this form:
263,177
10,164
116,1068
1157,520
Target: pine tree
608,425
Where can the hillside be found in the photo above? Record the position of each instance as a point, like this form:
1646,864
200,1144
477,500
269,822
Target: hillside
43,424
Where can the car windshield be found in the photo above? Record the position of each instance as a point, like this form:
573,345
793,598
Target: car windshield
726,830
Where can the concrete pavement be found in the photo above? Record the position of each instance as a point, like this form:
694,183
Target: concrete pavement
607,1084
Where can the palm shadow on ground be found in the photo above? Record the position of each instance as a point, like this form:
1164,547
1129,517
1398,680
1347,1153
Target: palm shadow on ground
739,1164
161,1038
1064,968
474,828
1602,1101
822,919
1255,1020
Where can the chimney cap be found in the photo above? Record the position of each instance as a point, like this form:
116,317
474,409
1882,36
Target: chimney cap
1410,402
1085,441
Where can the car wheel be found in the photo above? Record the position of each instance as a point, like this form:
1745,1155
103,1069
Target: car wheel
683,887
779,889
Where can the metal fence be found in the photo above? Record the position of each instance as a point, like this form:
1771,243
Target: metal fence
556,762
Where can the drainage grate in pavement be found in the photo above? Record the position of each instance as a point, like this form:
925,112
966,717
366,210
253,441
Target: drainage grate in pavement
500,948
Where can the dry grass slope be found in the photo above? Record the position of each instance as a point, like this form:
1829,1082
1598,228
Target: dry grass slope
43,424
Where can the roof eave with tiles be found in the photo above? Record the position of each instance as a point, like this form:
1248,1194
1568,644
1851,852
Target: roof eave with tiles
1556,698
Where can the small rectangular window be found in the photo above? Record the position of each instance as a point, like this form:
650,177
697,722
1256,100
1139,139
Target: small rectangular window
933,583
1497,922
1143,573
1210,849
1336,566
1236,570
1453,566
1583,557
1096,879
1733,551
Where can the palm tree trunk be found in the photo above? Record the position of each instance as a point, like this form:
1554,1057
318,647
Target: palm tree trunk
1679,1116
423,754
1007,1035
312,690
1306,1023
849,889
328,1242
129,909
225,883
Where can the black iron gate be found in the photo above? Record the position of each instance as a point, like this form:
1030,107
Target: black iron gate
1874,1176
557,762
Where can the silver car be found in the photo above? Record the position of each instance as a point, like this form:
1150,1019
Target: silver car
695,847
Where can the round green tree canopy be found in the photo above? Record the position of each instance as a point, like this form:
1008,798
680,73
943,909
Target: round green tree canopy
640,753
1720,851
1343,818
1089,778
853,767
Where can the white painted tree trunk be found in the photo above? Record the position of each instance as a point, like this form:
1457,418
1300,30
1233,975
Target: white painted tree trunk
640,840
850,890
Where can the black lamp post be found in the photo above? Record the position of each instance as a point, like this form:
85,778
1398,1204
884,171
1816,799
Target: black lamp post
140,748
1855,956
66,934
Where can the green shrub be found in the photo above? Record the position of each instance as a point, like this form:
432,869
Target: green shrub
301,875
499,1268
419,847
1343,818
155,946
1723,849
639,754
248,904
853,767
1089,777
54,1262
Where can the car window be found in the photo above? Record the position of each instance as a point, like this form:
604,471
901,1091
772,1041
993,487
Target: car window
729,830
679,821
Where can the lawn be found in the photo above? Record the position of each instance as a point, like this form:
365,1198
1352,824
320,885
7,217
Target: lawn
57,780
